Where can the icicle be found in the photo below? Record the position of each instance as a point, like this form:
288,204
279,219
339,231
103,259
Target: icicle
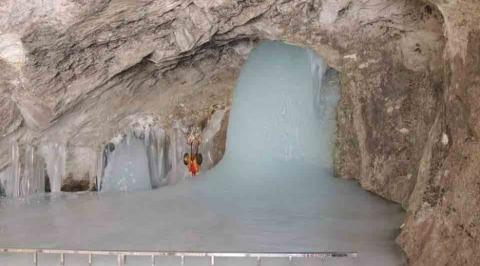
39,174
155,147
318,68
55,158
161,154
15,176
5,174
22,178
29,168
176,149
100,167
34,173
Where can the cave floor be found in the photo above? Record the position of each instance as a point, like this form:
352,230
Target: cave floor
214,213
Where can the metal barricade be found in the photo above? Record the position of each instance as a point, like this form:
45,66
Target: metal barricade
122,255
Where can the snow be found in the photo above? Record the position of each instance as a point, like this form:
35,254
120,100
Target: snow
273,191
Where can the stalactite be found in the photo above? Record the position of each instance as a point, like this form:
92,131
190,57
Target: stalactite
55,159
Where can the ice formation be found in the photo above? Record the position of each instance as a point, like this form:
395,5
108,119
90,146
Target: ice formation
164,152
55,158
279,113
137,160
272,192
144,157
155,143
15,174
177,147
127,166
34,173
26,173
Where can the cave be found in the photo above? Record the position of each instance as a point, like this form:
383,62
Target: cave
81,77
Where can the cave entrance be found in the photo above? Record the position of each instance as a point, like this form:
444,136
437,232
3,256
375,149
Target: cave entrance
272,192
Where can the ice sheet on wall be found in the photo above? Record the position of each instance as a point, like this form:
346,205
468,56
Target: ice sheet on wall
127,166
281,111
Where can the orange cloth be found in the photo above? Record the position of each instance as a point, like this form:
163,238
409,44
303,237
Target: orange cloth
193,166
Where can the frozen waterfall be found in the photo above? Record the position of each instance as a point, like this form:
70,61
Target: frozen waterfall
281,113
26,173
127,167
55,157
136,162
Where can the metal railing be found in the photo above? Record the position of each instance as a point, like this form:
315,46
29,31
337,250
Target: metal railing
122,255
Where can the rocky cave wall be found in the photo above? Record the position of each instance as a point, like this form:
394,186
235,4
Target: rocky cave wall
443,222
77,72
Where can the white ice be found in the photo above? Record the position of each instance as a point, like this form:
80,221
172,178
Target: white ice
55,159
23,178
127,166
272,192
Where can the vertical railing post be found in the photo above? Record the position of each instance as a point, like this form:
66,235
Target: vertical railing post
355,260
259,261
35,258
90,259
153,260
212,260
182,260
121,260
62,259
